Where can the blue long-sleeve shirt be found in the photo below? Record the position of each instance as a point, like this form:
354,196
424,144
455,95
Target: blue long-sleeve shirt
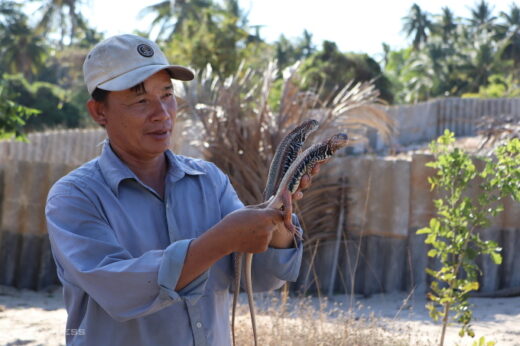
119,250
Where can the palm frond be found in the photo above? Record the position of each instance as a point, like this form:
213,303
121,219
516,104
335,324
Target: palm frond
232,124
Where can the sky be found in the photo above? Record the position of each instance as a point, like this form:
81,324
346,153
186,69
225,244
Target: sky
355,26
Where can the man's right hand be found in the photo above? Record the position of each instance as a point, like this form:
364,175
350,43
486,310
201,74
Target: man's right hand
250,229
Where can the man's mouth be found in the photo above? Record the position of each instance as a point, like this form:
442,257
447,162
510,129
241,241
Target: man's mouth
159,133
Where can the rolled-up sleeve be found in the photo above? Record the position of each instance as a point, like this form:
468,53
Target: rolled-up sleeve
170,270
90,256
272,268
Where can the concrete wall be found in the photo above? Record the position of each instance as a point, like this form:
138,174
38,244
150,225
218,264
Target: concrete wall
25,257
388,201
422,122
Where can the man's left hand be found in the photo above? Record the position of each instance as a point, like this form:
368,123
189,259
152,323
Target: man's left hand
282,238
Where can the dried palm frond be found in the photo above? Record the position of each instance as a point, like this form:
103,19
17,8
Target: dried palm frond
320,208
231,123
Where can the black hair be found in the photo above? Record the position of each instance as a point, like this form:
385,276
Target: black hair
138,88
100,95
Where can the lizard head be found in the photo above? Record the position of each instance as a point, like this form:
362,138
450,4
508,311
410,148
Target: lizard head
310,125
338,141
304,129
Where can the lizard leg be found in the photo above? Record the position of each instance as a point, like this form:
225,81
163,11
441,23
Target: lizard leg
287,210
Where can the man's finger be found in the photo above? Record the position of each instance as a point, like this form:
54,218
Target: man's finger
297,195
305,181
276,215
316,169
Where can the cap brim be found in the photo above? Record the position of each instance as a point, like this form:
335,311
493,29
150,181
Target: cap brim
132,78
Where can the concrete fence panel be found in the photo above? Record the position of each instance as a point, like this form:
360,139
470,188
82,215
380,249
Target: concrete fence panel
25,258
388,200
422,122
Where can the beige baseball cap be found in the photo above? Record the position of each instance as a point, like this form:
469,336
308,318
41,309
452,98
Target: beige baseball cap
123,61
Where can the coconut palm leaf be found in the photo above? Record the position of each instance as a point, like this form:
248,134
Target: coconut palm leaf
61,16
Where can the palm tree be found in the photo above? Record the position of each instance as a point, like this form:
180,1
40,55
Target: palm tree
285,52
170,15
9,10
305,46
21,49
62,16
255,37
417,24
423,72
163,17
232,7
482,17
386,53
288,52
483,61
446,25
510,32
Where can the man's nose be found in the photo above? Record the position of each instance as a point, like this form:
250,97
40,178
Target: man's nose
162,110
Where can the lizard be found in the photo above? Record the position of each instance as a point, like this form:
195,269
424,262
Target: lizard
317,153
286,152
303,164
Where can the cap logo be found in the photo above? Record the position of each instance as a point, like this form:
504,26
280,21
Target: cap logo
145,50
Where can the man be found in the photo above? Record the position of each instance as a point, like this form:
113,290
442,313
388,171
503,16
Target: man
143,238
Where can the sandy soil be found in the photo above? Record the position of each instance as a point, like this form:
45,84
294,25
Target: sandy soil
31,318
38,318
497,319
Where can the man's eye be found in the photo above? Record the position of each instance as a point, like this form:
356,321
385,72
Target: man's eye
168,95
141,101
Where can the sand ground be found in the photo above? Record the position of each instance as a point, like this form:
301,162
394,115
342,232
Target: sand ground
38,318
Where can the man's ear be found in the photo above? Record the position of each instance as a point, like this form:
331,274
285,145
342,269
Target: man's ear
97,111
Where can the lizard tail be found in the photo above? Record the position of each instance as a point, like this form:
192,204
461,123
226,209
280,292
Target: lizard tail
238,271
249,289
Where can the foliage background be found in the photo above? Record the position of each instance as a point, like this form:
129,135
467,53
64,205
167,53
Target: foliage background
41,54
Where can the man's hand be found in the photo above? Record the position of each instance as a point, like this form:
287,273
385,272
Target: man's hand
244,230
305,182
250,229
282,238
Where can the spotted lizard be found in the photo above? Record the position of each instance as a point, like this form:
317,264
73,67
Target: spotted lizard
293,166
286,152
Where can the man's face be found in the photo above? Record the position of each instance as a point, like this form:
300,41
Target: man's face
139,121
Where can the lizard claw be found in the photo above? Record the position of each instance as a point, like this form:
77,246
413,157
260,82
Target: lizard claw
293,230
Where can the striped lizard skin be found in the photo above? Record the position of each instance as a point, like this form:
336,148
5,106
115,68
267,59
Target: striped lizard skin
285,154
304,163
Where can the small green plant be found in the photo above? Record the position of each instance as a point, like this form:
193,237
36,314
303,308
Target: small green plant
482,342
452,234
12,115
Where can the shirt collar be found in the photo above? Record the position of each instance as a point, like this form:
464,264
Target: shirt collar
178,168
115,171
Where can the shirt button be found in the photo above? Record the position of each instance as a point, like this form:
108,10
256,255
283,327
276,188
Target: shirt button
199,325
